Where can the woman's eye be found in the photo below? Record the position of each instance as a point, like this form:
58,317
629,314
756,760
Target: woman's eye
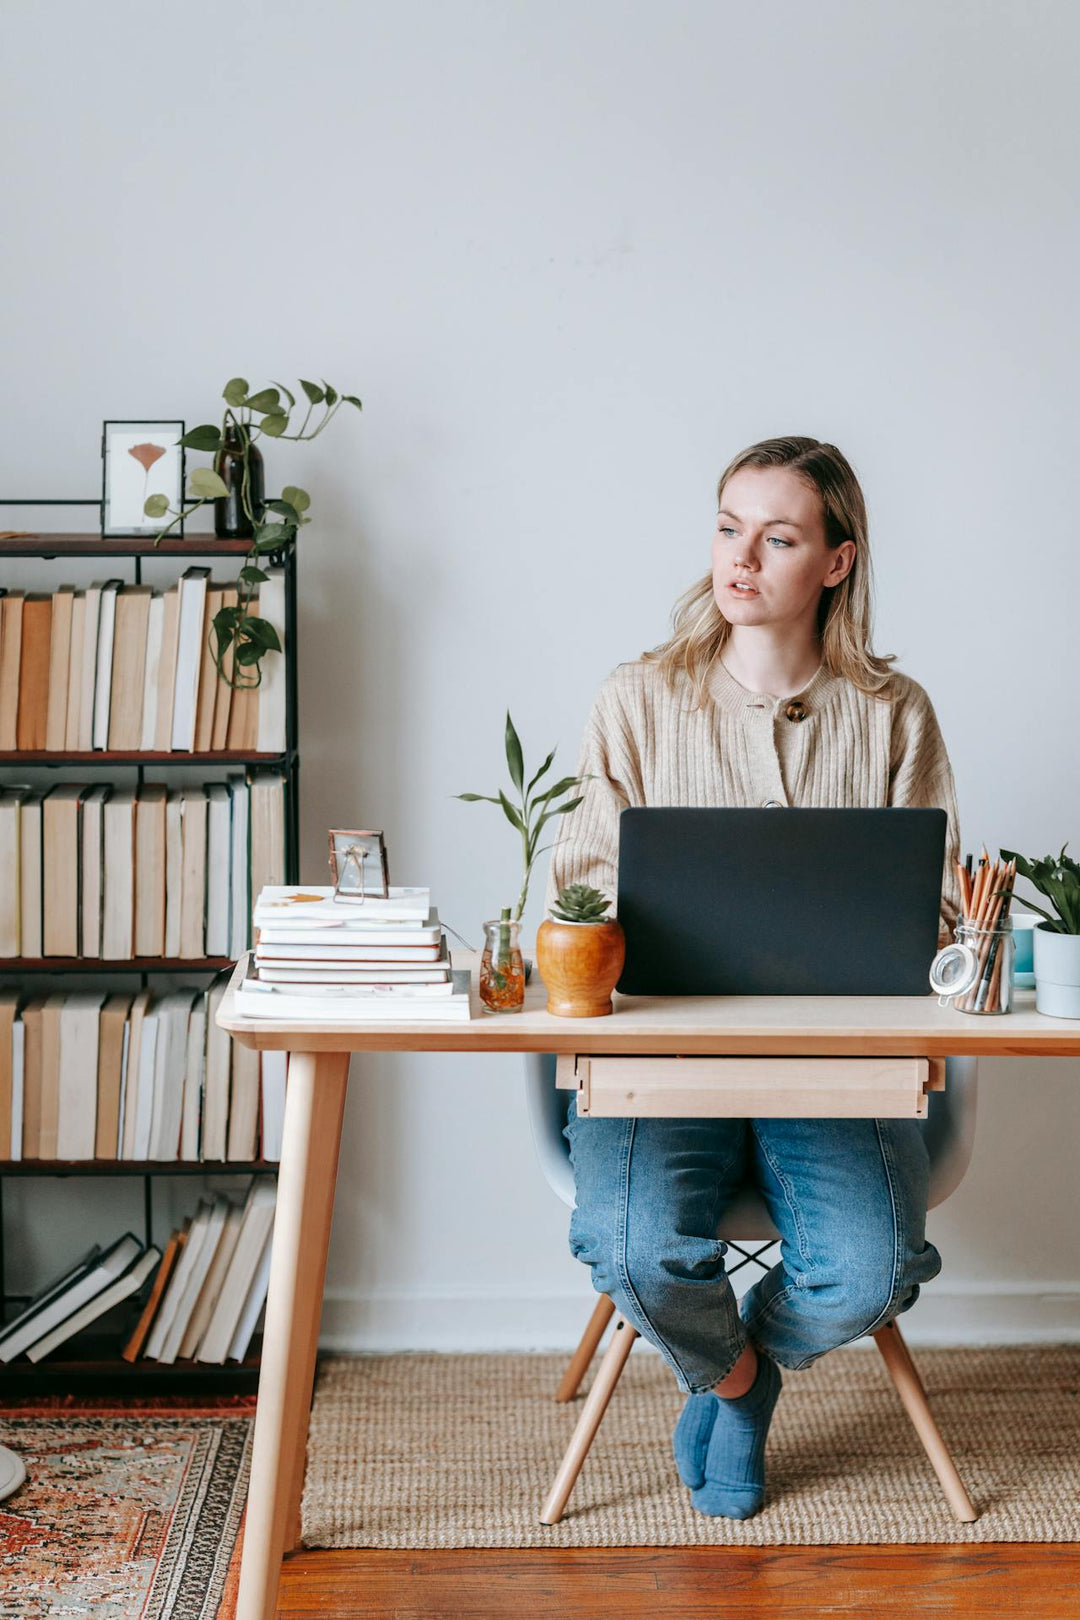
779,540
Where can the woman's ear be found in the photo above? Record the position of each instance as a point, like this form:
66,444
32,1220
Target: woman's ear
841,564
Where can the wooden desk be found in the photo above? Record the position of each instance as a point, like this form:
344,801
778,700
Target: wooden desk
760,1027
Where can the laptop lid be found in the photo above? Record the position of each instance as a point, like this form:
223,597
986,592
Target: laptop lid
787,901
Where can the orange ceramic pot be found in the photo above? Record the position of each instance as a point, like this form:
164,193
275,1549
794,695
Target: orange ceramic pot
580,964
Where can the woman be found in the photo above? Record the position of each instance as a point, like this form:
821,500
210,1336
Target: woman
766,694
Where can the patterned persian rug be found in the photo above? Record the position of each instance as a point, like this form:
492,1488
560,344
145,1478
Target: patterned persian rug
129,1511
460,1451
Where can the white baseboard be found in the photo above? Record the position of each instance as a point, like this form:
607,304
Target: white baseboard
1041,1312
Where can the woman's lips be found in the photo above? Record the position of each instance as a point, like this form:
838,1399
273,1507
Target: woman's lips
734,589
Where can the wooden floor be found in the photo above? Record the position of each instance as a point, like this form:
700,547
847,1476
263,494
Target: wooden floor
1009,1580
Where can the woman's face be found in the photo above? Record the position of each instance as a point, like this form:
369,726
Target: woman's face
770,561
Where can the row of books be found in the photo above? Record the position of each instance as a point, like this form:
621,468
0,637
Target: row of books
109,872
321,957
200,1299
86,1075
127,667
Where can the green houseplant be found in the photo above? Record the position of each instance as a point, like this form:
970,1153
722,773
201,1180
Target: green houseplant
274,523
502,974
580,952
1056,940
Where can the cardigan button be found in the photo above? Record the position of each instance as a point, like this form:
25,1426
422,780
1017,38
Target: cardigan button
796,710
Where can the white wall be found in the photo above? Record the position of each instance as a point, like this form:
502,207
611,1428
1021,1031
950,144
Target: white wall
573,258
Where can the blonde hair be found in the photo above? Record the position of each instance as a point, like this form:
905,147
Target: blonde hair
845,610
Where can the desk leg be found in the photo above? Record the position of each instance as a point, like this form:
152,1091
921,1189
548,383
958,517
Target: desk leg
314,1108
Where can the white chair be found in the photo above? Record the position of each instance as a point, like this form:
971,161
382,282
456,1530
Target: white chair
949,1131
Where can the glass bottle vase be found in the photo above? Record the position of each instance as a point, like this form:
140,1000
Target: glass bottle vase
502,971
231,521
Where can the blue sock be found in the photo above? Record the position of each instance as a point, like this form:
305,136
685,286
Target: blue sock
733,1485
690,1441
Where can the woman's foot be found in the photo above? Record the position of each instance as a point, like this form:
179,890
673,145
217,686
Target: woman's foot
690,1441
733,1468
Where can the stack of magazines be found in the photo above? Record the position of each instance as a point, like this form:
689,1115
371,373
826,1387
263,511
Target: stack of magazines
341,961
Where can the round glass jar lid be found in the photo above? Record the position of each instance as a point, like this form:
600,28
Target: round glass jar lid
954,970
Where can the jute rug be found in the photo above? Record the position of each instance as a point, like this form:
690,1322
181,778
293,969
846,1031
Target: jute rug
128,1512
418,1450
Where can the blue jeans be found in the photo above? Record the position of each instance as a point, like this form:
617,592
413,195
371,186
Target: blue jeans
848,1197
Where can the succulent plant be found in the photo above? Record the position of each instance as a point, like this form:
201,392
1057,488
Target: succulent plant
577,903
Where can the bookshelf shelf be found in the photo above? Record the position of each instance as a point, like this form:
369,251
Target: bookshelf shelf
92,1359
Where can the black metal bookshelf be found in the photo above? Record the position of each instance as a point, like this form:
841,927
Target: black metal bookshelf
91,1361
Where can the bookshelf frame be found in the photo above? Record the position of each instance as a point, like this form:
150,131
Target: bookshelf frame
91,1361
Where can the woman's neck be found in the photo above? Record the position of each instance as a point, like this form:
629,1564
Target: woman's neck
774,664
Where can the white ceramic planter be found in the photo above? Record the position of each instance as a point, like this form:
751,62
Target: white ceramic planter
1057,972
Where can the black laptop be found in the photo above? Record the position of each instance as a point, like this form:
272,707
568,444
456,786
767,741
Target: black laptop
779,902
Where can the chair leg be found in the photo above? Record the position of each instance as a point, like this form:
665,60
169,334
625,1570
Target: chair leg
579,1361
622,1340
909,1387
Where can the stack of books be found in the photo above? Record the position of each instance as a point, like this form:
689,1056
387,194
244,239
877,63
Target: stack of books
339,961
125,667
201,1299
87,1075
111,873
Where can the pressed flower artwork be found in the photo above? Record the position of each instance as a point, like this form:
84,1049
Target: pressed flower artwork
140,459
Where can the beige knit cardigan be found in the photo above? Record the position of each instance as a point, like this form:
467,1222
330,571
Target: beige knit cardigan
647,745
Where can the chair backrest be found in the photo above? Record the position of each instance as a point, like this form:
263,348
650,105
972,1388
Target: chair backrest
948,1129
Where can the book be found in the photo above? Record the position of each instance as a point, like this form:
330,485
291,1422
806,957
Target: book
189,640
103,1271
32,1015
63,599
111,1028
128,1283
193,874
305,905
267,829
218,864
155,627
174,866
149,932
118,917
433,973
18,1073
222,689
194,1071
9,1007
206,1251
51,1291
396,991
92,870
348,1004
31,828
104,675
254,1300
208,675
84,738
244,709
129,1097
34,658
50,1075
77,1084
257,1224
133,1347
273,1070
129,667
75,667
239,907
60,839
218,1076
167,670
10,870
270,736
174,1011
243,1134
352,934
141,1081
212,1286
11,617
311,955
174,1294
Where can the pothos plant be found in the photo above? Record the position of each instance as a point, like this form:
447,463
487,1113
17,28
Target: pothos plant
274,525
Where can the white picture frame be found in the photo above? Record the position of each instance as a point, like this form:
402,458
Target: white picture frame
130,477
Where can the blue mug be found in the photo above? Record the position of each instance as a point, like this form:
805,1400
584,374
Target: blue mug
1023,923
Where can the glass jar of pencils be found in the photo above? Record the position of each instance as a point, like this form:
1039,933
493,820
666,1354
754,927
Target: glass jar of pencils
977,974
502,971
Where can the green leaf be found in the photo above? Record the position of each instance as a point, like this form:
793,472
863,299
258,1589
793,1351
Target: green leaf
290,397
562,786
204,481
271,532
313,391
475,798
515,762
235,391
298,498
156,506
252,574
267,399
262,633
206,437
351,399
247,653
331,393
288,512
544,767
511,814
275,425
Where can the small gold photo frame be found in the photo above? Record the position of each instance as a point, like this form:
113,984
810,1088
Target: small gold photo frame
358,865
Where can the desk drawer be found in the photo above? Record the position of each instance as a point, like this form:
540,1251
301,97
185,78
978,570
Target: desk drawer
751,1087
